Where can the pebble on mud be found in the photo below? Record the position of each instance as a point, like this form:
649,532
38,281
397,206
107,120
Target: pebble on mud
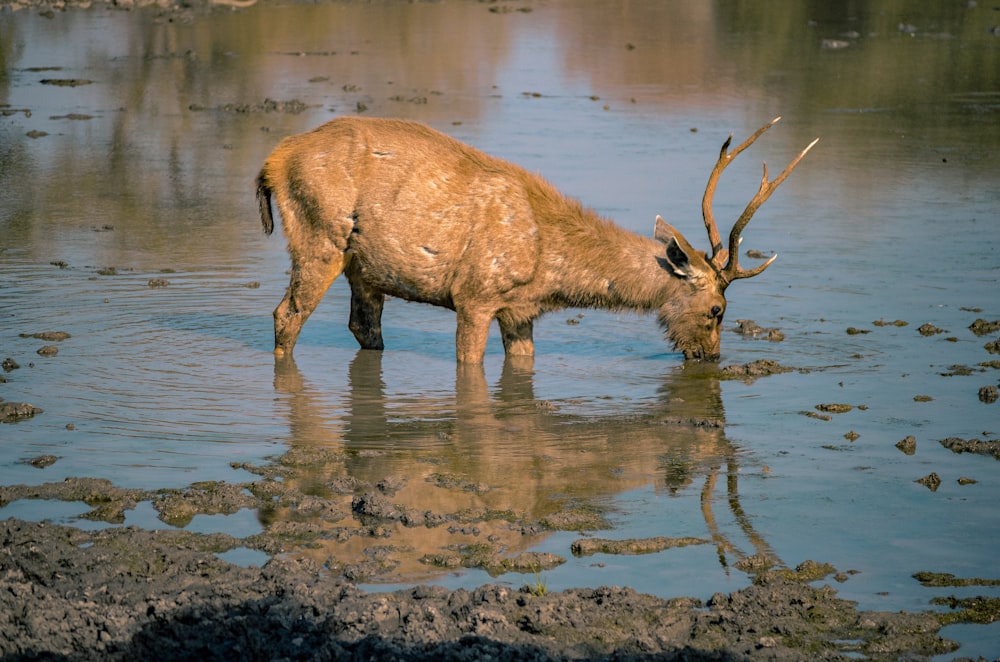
929,329
988,394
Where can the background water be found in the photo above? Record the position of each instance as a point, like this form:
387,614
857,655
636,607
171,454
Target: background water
148,168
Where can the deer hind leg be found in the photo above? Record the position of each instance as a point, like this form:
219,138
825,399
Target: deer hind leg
366,314
517,335
310,281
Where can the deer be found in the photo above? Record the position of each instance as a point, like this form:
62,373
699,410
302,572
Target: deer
406,211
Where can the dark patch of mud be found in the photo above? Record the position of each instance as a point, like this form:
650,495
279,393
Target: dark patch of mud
125,593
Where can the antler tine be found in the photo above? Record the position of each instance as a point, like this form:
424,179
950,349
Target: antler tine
732,270
725,158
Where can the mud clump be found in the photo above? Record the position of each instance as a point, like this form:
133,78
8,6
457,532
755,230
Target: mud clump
834,408
907,445
753,370
931,481
11,412
981,327
48,336
125,594
978,446
293,107
750,329
989,394
631,546
929,329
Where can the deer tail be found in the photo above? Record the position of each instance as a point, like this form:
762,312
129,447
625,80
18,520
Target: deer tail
264,202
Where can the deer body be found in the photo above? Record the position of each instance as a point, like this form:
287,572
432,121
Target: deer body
405,211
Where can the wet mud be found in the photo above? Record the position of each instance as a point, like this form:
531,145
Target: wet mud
126,593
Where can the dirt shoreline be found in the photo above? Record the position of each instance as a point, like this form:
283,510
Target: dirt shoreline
126,593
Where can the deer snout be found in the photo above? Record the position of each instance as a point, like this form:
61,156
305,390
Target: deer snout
700,354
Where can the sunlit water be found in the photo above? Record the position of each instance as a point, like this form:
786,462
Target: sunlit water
894,215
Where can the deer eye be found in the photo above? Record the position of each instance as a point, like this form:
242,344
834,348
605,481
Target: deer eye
716,311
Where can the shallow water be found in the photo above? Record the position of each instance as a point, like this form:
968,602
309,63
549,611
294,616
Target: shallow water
894,215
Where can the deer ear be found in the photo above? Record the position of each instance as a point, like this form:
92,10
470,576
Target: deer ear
678,249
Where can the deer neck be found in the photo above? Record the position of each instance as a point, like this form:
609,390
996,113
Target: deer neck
598,264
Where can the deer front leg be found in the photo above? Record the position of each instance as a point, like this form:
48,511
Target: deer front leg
517,336
366,315
473,330
310,281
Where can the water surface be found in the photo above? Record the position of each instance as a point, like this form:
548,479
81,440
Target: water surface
145,173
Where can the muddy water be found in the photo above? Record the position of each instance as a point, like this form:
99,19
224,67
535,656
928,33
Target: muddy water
128,222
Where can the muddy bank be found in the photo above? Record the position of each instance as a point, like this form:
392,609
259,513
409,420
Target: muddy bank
126,593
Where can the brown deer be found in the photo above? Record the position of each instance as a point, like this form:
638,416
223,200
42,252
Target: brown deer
406,211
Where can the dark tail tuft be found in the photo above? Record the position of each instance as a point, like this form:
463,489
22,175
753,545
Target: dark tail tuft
264,203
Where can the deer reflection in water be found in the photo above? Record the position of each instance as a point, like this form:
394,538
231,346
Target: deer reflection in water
405,489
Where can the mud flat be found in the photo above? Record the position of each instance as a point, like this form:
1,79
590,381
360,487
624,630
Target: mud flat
126,593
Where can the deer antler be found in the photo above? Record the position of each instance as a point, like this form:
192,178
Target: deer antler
730,256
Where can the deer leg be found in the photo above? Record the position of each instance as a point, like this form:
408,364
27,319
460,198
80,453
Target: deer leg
473,330
309,282
517,336
366,315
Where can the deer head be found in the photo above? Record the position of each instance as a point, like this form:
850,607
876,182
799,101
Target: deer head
693,320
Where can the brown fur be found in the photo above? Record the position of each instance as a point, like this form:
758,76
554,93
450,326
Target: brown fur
408,212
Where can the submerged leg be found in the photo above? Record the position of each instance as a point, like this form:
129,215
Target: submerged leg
309,282
366,315
473,330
